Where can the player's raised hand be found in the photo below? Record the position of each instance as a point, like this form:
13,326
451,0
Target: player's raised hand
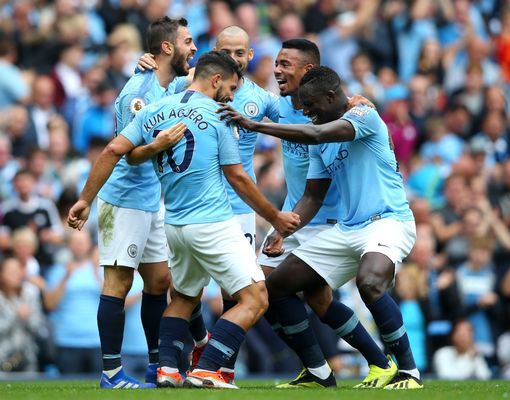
358,100
231,115
286,222
78,214
169,137
273,246
147,62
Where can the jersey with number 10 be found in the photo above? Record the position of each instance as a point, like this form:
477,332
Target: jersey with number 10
190,172
365,170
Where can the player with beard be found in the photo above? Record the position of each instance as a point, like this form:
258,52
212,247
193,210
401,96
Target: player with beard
204,237
255,103
131,224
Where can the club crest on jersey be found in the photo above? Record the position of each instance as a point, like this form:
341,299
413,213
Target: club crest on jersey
136,105
251,109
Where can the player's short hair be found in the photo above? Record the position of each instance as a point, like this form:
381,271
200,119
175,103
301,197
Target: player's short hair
308,48
163,29
215,62
320,80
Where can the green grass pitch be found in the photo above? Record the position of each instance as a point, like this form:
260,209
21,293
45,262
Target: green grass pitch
252,390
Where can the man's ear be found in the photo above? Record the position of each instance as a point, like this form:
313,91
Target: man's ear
250,54
331,96
167,48
308,67
216,81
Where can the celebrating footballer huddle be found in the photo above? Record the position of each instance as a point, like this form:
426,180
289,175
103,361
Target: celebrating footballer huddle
188,136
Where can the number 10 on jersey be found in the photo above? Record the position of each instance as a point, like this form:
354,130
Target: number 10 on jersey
188,154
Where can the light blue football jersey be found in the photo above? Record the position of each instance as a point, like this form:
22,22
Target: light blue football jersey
295,166
365,170
190,172
136,186
254,103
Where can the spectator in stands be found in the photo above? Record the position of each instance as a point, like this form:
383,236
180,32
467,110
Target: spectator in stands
289,26
13,87
99,119
404,134
59,146
436,287
413,310
430,61
440,143
16,129
461,360
363,80
477,288
71,296
21,319
494,136
8,168
31,210
413,26
47,183
41,110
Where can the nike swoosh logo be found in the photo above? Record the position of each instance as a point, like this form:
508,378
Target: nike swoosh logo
383,245
281,117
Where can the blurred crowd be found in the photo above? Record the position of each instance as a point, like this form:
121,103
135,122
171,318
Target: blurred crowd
439,74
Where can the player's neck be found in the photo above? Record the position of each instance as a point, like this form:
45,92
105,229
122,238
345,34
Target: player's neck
295,102
206,90
165,73
240,82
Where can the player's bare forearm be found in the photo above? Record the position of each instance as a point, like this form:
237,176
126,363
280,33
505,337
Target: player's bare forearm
249,192
141,154
164,139
104,165
99,174
283,222
335,131
310,203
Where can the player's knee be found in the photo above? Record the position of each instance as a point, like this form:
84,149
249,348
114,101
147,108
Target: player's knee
158,284
370,287
255,301
117,281
319,300
276,287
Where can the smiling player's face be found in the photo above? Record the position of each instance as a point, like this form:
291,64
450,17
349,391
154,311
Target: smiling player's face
184,50
238,48
226,89
288,71
319,107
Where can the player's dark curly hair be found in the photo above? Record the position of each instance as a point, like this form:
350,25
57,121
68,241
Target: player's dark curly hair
163,29
320,80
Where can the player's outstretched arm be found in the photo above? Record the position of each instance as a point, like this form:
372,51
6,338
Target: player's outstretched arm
164,140
335,131
284,222
101,171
